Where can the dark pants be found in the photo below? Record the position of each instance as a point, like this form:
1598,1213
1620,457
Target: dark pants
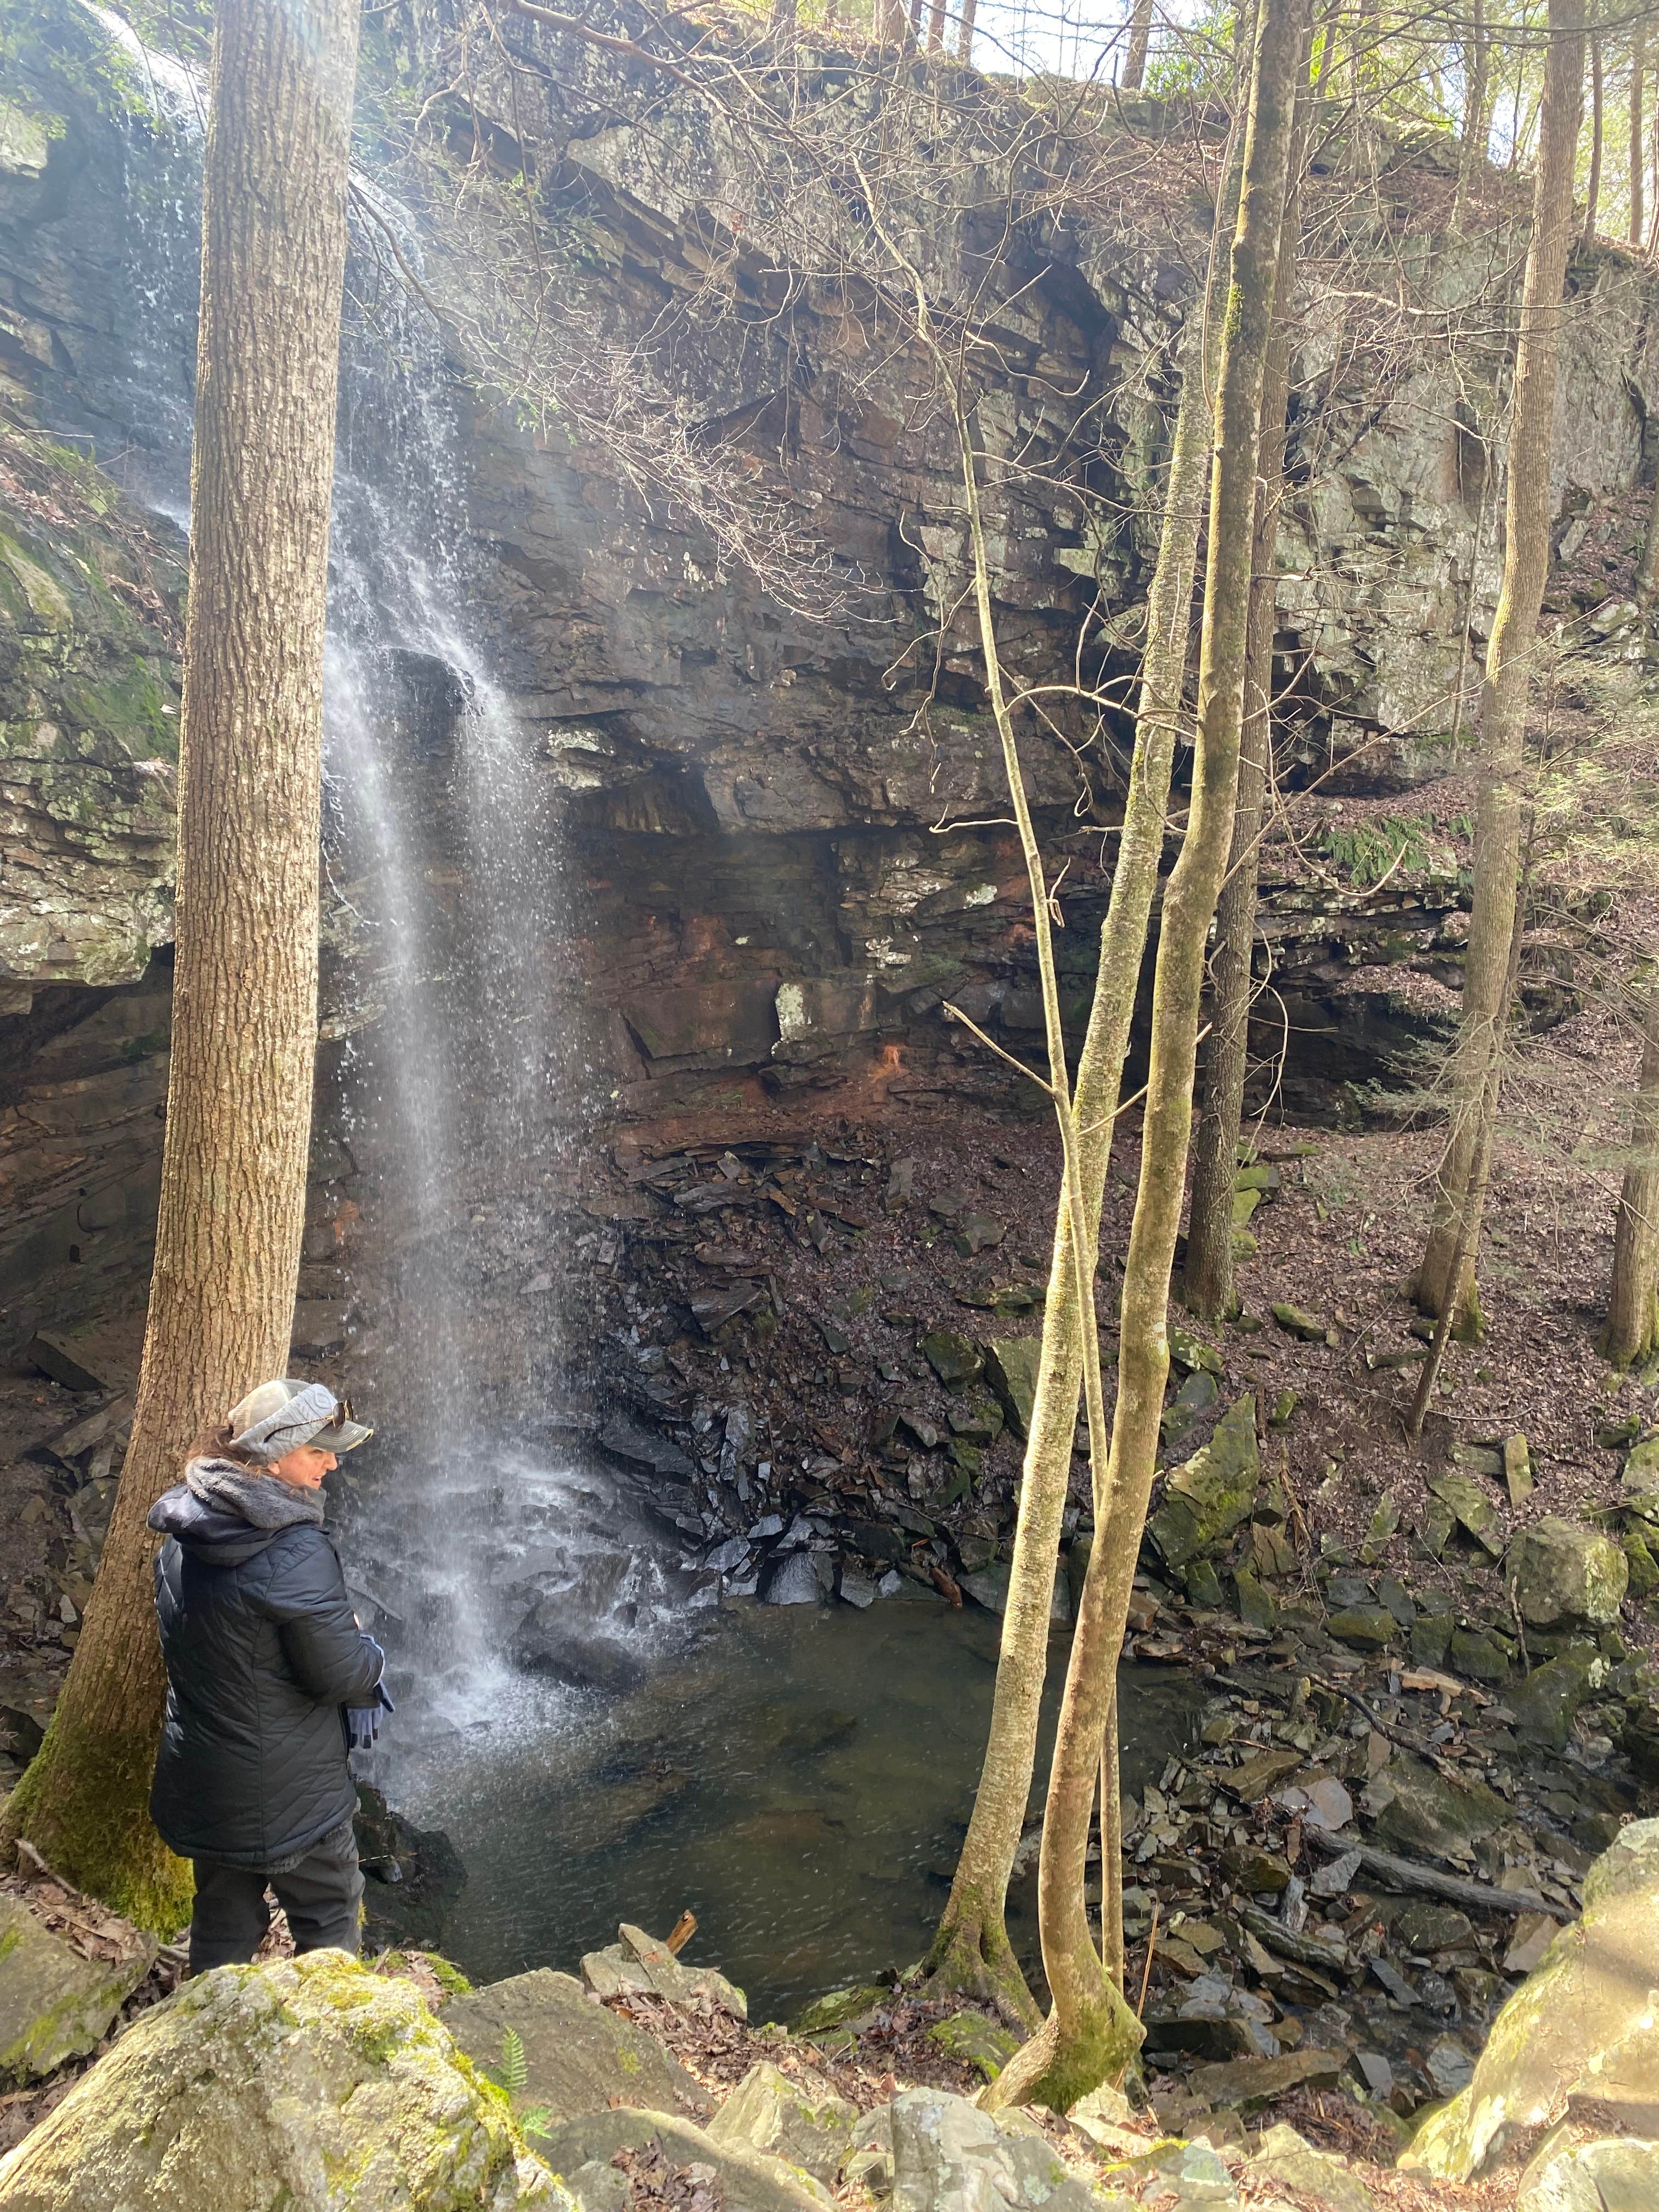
321,1896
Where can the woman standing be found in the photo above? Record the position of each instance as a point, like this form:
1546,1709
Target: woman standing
264,1658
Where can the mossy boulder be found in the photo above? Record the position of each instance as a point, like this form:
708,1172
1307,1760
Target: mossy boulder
800,2120
1580,2029
836,2007
954,1358
579,2057
54,2003
1638,1481
976,2041
308,2085
1206,1500
1011,1369
1564,1576
1544,1703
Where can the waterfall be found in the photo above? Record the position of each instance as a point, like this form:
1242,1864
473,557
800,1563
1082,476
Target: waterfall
445,1097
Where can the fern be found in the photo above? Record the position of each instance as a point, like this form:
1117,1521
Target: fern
513,2072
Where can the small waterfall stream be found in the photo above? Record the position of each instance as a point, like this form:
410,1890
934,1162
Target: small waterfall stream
443,928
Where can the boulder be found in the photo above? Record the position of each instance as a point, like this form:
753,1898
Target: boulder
749,2180
1579,2029
953,1358
1189,2172
1544,1703
1470,1508
948,2156
1428,1815
1211,1495
869,2163
55,2004
976,2041
1474,1652
1298,1322
1619,2174
792,1580
836,2007
579,2057
1245,2084
1564,1576
801,2121
1314,2178
412,1877
545,1642
1366,1627
1189,1351
308,2083
1638,1480
1011,1369
638,1962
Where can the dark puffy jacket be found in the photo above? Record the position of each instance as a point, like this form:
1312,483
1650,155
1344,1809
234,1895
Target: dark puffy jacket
262,1653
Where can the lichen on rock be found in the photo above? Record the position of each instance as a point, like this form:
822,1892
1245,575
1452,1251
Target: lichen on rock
309,2084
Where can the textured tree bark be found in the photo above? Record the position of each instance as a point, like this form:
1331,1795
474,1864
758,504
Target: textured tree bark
245,991
1639,152
1140,39
1091,2034
1476,129
1634,1296
1509,655
1208,1287
1593,183
970,1951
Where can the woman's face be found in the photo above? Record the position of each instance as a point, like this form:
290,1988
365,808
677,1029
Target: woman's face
304,1468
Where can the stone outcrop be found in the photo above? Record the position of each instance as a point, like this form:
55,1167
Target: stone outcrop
1578,2032
309,2083
766,896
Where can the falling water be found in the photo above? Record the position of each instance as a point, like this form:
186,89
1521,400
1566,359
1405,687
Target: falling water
443,932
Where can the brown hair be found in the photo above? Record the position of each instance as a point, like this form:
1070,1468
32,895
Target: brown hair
215,1443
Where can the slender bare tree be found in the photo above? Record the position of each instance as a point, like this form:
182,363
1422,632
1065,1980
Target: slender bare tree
1090,2032
1476,1068
1633,1296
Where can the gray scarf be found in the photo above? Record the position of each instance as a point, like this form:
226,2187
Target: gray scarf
261,1500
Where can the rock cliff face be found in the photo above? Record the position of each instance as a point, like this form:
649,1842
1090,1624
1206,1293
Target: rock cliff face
781,843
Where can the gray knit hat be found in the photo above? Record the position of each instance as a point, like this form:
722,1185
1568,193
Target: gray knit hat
279,1416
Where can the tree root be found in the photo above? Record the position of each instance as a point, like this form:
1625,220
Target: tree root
973,1958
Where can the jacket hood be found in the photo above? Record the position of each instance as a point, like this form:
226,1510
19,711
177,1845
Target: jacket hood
211,1534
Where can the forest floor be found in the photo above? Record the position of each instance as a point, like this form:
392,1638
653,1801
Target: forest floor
853,1288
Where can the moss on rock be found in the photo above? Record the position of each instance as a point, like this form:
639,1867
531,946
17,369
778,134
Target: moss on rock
309,2084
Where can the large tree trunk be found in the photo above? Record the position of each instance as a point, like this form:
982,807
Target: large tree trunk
1633,1298
971,1952
1208,1287
1090,2032
1476,1068
1140,39
245,991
